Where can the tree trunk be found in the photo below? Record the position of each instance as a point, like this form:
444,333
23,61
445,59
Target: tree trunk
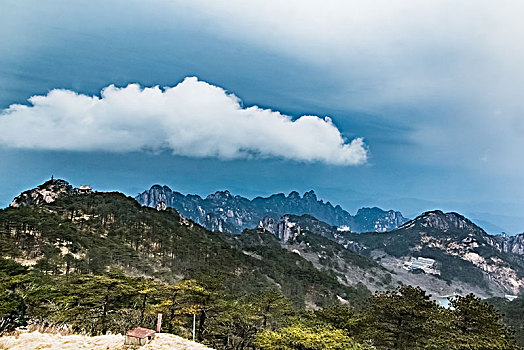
201,322
143,309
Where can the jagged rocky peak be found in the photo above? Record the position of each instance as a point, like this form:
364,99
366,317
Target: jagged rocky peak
372,211
310,195
443,221
220,195
378,220
47,192
222,211
157,194
510,244
294,195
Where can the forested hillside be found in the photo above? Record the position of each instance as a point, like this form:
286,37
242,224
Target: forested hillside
93,232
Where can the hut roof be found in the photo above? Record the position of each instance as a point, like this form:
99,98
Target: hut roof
140,332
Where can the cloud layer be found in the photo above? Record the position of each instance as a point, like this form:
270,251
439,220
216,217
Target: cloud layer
451,71
193,118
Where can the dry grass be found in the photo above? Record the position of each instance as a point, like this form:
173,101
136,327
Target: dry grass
55,329
37,340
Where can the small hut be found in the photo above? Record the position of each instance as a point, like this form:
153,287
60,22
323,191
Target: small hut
139,336
84,189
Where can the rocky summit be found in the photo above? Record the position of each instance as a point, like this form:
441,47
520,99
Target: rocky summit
225,212
47,192
443,221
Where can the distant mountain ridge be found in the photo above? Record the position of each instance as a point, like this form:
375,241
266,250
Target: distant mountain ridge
222,211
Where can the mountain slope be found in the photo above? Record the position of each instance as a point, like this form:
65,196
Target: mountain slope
462,251
444,253
88,233
316,241
224,212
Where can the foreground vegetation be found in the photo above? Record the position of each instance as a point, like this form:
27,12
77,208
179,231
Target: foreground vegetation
513,314
405,318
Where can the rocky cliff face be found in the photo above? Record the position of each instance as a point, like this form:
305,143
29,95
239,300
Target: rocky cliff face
48,192
283,228
510,244
222,211
462,250
288,227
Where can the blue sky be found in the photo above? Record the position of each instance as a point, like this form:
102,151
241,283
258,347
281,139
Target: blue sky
432,88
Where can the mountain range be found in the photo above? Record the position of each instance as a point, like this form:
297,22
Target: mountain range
224,212
59,228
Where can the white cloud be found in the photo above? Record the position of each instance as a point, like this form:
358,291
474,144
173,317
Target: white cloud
193,119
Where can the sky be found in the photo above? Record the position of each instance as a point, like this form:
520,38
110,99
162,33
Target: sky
407,105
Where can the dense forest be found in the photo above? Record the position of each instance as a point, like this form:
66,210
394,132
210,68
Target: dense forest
100,263
405,318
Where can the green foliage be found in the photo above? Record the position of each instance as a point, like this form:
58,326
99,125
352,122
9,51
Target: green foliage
239,321
96,304
512,314
113,302
339,316
478,326
402,319
302,337
13,278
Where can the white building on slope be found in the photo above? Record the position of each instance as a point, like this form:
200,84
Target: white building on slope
425,264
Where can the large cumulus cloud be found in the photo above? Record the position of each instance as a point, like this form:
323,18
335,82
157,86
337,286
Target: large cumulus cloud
193,119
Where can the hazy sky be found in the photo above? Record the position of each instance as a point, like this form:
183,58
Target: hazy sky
410,105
